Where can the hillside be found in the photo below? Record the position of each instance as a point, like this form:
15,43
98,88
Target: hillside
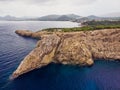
68,17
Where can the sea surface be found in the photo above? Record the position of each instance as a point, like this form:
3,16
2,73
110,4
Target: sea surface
103,75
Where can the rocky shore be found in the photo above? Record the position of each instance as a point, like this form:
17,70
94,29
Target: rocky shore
75,48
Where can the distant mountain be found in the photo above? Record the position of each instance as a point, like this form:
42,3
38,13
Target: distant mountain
48,18
96,18
73,16
64,18
58,17
8,18
12,18
93,17
88,18
68,17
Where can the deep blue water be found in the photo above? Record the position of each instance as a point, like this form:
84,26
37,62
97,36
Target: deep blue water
103,75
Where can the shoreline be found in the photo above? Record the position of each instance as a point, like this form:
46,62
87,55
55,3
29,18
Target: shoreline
74,48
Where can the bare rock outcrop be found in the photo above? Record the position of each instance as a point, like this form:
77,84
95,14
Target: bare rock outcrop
76,48
40,56
37,35
25,33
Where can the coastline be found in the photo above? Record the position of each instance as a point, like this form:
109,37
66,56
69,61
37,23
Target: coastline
75,48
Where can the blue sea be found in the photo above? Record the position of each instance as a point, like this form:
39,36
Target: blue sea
103,75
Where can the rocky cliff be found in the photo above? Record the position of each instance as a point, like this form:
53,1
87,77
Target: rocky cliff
75,48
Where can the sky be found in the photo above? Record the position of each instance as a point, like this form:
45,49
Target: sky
37,8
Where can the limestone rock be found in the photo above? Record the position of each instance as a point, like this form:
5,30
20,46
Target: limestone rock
76,48
25,33
39,57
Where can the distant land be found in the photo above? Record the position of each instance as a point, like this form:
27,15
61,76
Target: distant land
53,17
67,17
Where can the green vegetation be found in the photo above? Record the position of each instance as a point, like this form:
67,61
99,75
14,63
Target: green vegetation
89,25
93,23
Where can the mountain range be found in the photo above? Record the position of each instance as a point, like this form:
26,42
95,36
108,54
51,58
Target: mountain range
67,17
54,17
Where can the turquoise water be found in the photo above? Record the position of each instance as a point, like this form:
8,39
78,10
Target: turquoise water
103,75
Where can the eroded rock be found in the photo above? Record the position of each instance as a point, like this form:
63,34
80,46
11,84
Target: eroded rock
39,57
76,48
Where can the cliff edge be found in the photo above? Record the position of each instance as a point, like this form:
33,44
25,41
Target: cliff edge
75,48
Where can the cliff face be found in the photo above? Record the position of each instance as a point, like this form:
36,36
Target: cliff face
76,48
40,56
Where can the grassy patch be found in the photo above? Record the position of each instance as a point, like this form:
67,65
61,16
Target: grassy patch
90,25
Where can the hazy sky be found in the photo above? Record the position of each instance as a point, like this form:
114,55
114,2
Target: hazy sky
44,7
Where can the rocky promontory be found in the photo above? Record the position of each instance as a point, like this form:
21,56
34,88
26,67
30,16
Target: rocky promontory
75,48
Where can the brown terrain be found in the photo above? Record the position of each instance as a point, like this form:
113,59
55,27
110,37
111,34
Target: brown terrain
75,48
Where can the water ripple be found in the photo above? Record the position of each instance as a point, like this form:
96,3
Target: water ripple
104,75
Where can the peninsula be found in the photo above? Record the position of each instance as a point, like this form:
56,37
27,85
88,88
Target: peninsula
74,48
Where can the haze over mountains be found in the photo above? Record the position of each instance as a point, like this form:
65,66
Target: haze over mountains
59,17
67,17
53,17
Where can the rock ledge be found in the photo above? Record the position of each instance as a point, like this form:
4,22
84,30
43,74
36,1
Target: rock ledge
75,48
